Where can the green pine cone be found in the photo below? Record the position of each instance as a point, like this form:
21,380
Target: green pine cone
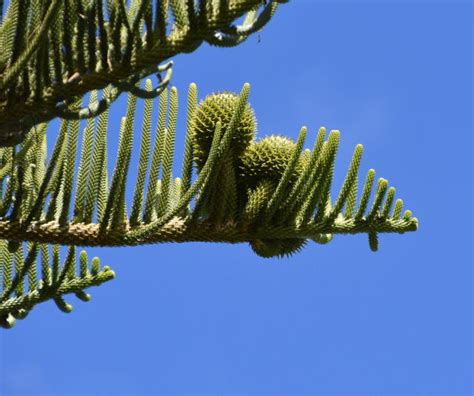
268,158
220,107
256,202
268,248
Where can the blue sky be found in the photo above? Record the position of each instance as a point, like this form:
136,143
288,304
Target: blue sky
214,319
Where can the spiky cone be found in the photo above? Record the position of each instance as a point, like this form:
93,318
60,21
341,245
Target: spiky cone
221,107
256,203
269,248
267,159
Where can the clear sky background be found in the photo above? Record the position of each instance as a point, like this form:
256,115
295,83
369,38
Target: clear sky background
215,319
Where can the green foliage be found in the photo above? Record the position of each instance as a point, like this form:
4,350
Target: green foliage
271,192
51,54
273,195
54,52
22,288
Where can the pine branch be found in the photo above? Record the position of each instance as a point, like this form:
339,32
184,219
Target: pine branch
271,193
68,49
55,282
299,206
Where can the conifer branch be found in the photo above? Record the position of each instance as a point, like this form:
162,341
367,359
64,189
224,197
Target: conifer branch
55,281
68,49
299,205
271,193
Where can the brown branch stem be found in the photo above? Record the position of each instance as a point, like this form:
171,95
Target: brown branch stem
181,230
